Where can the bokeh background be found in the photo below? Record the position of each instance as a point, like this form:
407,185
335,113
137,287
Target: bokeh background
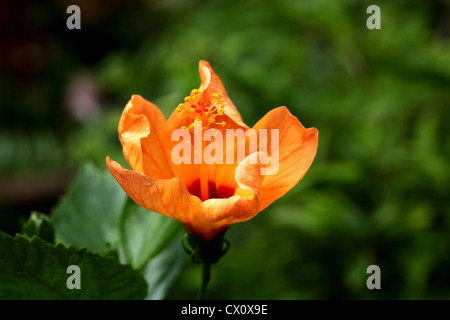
378,190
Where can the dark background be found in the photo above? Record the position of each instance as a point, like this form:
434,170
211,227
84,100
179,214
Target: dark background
378,190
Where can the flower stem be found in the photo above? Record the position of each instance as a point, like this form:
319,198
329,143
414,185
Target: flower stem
206,275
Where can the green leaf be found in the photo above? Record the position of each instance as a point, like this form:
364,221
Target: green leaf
40,225
34,269
145,234
96,214
89,214
163,270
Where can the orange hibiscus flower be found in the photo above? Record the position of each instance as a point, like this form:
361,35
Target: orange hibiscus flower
207,197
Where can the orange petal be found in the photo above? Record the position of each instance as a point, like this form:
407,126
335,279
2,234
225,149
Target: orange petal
223,174
144,138
132,128
296,151
168,197
188,173
171,198
211,84
217,214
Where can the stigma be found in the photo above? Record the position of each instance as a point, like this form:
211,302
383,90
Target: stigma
196,108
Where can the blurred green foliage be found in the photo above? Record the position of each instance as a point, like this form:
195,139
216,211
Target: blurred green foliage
377,192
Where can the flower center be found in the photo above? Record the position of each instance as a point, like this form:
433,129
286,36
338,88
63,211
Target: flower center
195,108
214,191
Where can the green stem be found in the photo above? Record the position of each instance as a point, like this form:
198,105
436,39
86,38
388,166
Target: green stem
206,275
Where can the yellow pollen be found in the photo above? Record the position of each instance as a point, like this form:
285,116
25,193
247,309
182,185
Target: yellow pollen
198,107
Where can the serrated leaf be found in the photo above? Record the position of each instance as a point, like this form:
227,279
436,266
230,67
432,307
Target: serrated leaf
39,224
89,213
34,269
